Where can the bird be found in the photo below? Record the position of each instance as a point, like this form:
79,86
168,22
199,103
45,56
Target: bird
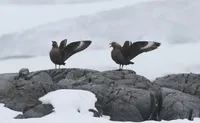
123,55
59,54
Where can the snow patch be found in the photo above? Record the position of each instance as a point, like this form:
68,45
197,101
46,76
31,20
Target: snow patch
7,113
70,101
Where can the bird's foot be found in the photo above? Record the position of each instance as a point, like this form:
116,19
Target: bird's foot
119,69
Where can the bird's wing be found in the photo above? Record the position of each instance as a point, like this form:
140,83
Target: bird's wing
125,49
141,46
75,47
148,45
63,44
61,47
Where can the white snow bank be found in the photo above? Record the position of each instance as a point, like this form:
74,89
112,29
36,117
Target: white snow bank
7,113
70,101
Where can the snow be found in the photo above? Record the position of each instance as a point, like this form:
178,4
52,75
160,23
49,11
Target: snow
47,14
71,106
166,21
28,30
7,113
47,1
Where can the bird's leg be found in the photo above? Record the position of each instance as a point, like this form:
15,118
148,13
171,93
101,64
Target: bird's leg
55,66
122,66
59,66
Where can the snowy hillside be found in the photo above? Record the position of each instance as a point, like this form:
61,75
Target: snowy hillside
47,1
166,21
44,14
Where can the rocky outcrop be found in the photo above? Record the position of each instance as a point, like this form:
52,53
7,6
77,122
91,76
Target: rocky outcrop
187,83
123,95
177,105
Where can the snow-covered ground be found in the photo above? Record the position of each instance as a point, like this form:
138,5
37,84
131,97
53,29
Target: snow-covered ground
28,30
19,18
66,109
48,1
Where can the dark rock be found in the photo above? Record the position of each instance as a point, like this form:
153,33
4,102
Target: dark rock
96,113
6,84
66,83
177,105
25,93
123,95
38,111
137,82
118,75
190,114
128,104
75,74
98,78
57,74
156,103
187,83
20,116
23,72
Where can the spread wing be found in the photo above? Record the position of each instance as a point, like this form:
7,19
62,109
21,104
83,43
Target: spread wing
146,46
61,47
63,44
139,47
125,49
75,47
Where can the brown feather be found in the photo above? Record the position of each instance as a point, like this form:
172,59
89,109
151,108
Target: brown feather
59,55
55,54
140,46
123,55
63,44
75,47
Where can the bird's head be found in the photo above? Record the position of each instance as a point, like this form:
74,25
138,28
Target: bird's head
114,45
54,44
